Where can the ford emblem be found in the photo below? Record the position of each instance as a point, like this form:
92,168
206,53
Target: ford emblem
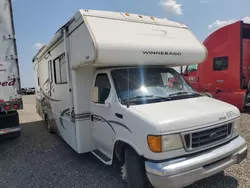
213,135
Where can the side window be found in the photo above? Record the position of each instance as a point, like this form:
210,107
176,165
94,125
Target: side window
50,71
103,84
246,33
38,81
60,72
220,63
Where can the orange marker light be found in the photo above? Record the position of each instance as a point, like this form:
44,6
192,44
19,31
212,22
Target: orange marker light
127,14
155,143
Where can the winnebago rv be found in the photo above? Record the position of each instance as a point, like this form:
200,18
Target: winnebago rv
10,97
104,88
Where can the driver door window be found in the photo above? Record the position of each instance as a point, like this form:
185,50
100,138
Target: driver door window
103,85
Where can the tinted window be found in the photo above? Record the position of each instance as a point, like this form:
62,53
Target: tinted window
50,71
38,81
220,63
103,84
246,33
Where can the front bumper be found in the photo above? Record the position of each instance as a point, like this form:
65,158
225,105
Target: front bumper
187,170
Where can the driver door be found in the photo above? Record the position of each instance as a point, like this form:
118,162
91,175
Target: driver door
102,130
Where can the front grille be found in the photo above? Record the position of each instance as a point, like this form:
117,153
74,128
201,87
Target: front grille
207,137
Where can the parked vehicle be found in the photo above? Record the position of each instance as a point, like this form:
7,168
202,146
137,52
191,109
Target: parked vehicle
225,74
30,91
10,97
102,83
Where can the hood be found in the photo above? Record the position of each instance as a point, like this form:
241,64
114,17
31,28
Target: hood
186,114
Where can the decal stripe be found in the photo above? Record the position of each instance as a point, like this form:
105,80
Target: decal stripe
96,118
122,125
49,98
61,115
87,116
46,96
99,118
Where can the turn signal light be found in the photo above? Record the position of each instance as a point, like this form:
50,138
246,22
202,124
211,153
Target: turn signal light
127,14
16,106
7,107
155,143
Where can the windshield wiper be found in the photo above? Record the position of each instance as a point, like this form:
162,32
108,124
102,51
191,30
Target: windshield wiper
140,97
183,93
145,96
178,93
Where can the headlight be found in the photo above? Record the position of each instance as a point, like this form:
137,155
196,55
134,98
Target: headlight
237,125
165,143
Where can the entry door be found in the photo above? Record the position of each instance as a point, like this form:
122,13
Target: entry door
102,130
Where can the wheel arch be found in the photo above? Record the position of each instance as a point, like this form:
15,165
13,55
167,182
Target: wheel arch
119,149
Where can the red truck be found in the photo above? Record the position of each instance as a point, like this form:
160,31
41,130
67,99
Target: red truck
225,74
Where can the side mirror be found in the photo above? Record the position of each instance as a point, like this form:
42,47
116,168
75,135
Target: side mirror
94,95
107,104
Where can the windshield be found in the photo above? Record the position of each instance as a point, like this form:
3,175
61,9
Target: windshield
148,85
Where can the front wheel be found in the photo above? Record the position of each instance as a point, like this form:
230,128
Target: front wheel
135,170
48,125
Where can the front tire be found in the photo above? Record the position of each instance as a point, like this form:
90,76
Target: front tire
48,125
135,170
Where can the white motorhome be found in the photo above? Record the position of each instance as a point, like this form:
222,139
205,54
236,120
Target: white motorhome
107,87
10,87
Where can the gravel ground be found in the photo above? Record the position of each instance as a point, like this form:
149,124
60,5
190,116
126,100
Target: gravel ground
39,159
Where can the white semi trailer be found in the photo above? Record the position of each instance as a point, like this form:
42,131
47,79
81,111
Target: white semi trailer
10,97
106,85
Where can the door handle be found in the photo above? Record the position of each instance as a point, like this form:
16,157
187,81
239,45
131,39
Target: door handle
119,115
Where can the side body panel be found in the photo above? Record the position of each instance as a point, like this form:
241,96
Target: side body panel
246,55
55,96
9,70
